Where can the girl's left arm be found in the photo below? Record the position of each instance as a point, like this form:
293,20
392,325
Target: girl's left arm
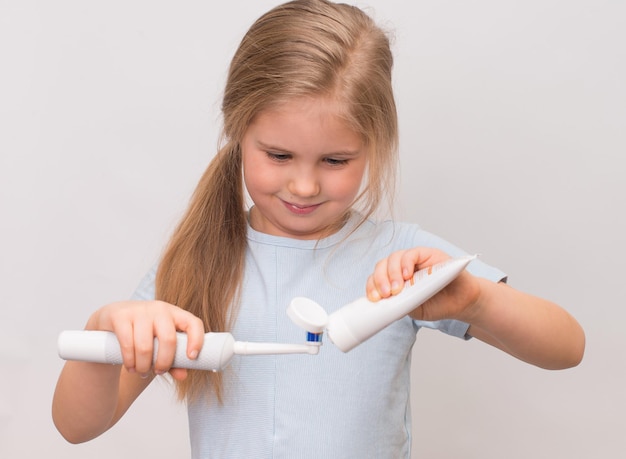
530,328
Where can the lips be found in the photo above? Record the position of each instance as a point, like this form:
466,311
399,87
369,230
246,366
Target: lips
300,209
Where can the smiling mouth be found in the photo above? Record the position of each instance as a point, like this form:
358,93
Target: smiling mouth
300,209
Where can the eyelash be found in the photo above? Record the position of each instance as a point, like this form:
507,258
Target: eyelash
336,162
282,157
278,157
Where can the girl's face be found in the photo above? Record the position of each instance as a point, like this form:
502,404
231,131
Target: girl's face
302,166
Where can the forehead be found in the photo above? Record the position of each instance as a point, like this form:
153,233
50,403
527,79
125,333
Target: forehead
318,122
321,105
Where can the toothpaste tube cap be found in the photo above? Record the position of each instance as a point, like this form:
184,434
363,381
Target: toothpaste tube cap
307,314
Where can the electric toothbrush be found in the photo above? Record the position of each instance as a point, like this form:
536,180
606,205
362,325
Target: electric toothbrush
347,327
216,353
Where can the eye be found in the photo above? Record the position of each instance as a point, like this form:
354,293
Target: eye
335,162
278,157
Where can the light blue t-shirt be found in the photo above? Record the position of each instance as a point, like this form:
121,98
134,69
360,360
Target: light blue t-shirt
331,405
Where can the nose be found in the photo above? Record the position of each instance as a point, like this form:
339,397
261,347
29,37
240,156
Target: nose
304,183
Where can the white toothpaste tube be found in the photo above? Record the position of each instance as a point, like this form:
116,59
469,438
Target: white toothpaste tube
360,320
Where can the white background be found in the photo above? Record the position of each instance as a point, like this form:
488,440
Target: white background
513,121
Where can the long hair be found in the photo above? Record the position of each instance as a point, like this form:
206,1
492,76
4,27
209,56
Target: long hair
302,48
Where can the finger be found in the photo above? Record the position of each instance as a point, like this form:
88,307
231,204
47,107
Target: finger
179,374
194,328
380,278
409,263
124,333
165,333
395,273
144,345
423,257
372,291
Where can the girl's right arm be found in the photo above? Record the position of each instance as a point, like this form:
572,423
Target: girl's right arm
91,397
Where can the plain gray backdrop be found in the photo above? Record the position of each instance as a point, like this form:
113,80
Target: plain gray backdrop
513,122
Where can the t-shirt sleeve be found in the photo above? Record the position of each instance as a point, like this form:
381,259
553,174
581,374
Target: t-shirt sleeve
146,288
476,267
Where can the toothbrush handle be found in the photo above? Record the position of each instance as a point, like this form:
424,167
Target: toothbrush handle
103,347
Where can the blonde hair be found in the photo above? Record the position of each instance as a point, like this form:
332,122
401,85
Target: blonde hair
302,48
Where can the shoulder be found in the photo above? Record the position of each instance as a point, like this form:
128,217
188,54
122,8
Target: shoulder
390,235
394,234
146,288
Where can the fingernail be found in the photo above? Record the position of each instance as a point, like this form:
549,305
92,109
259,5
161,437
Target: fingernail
144,375
374,295
395,286
193,354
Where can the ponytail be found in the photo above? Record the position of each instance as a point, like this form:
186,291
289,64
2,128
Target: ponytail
202,266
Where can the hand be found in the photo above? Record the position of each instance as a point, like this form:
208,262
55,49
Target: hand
137,323
456,301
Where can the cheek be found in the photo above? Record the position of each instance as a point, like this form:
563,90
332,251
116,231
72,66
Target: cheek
345,188
248,175
250,181
256,176
352,182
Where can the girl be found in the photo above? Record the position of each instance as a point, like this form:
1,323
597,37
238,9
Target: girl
310,132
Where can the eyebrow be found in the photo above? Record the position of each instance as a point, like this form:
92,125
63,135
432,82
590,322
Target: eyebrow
342,153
